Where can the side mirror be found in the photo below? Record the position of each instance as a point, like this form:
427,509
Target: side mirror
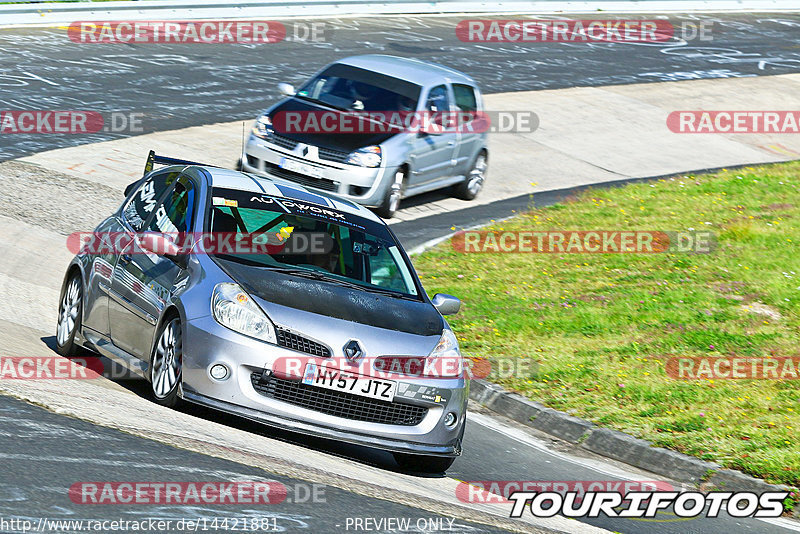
286,89
162,245
130,187
446,304
431,129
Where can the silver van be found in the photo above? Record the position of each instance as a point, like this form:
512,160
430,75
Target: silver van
372,166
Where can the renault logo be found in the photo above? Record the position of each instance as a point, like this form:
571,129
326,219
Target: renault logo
304,151
352,351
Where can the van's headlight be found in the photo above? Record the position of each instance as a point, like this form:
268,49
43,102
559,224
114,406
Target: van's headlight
234,309
446,357
369,156
263,127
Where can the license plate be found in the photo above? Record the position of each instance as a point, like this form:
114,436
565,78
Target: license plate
302,168
324,377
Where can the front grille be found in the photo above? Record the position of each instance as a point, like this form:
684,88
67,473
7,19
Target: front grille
252,161
282,141
338,403
301,344
333,155
302,179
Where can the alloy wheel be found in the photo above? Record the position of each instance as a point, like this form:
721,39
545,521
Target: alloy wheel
68,311
167,360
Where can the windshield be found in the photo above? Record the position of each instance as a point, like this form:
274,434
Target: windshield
312,241
350,88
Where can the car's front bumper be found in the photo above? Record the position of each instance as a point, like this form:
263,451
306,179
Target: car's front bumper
364,185
207,343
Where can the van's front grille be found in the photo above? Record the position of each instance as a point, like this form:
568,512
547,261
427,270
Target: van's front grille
333,155
302,179
283,142
338,403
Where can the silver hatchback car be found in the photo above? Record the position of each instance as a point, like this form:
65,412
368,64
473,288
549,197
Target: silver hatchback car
337,339
372,166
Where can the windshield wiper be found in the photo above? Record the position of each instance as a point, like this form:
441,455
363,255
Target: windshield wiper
317,101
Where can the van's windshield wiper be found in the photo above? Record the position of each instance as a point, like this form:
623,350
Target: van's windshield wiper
321,102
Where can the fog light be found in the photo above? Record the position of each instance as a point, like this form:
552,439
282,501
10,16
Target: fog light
450,419
219,372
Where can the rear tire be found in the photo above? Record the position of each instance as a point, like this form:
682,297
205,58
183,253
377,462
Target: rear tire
166,363
391,201
473,183
70,310
420,463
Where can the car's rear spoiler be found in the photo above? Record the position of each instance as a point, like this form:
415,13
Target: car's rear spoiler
153,159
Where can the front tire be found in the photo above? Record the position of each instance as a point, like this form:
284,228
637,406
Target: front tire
473,183
69,317
420,463
391,201
166,363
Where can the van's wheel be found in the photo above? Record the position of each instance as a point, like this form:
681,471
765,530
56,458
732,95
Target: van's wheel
421,463
391,201
166,363
473,183
69,316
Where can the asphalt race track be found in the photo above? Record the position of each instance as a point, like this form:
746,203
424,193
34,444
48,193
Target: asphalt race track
180,85
176,86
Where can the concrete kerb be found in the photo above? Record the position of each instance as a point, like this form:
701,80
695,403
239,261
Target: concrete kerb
614,444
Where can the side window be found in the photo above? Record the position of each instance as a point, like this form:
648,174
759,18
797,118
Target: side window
175,213
465,97
146,198
384,271
437,100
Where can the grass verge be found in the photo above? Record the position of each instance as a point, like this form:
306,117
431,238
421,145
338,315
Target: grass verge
598,329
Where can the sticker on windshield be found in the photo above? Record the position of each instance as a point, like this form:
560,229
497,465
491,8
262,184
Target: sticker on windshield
368,248
219,201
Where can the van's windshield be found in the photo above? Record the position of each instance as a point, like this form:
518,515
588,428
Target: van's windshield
353,89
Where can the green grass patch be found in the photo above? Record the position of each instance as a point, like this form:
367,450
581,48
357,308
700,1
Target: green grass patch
597,329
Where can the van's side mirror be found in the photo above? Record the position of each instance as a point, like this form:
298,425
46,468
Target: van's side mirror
446,304
286,89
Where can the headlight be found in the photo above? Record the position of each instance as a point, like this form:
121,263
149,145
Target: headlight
263,127
446,357
369,156
234,309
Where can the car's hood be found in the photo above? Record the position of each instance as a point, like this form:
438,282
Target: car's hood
346,142
279,293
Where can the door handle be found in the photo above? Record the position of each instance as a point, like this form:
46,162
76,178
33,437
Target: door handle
126,258
451,143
